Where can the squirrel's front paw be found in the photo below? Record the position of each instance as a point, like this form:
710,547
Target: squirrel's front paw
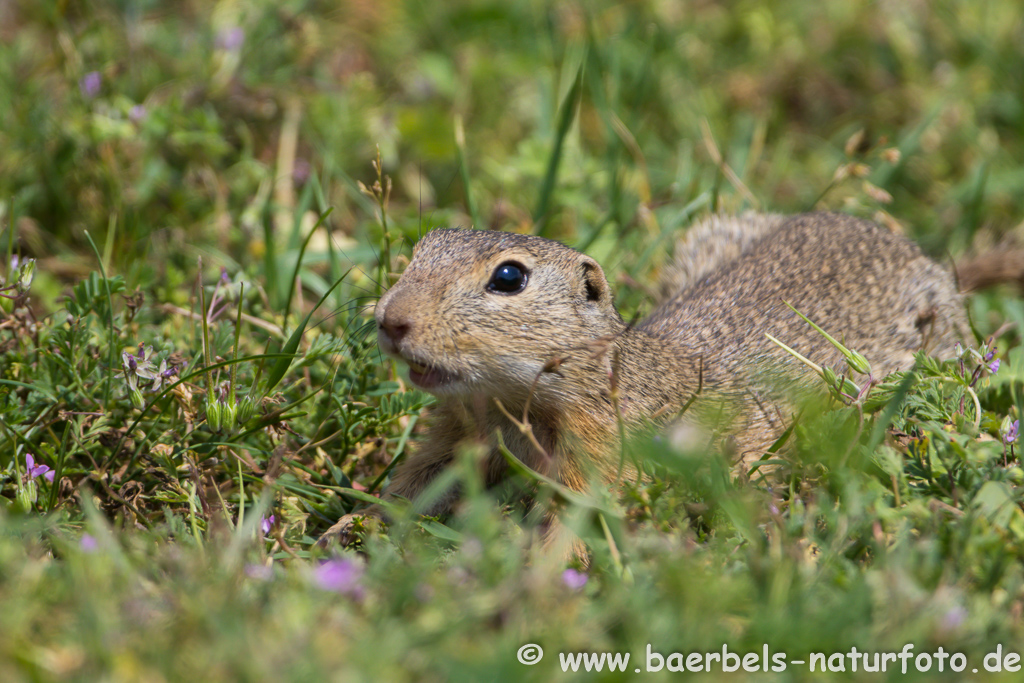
347,529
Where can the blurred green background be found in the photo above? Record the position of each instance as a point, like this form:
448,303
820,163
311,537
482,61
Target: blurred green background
164,128
138,136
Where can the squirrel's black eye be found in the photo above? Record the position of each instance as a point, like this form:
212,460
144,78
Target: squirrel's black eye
508,278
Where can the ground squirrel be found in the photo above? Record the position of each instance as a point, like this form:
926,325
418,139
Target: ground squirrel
486,317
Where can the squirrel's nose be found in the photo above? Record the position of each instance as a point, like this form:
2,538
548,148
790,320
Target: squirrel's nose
393,328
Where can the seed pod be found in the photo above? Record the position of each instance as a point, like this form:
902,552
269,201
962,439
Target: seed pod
26,273
858,363
137,400
26,496
1009,429
229,412
213,414
246,409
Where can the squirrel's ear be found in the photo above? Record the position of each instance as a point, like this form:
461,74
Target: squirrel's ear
594,283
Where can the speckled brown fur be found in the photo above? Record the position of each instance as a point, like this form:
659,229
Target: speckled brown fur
872,288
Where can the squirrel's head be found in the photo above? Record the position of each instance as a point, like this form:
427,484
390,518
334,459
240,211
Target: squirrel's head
478,311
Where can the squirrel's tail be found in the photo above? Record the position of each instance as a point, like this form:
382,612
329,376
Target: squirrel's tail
991,268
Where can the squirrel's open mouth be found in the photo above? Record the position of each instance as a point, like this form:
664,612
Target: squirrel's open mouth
429,377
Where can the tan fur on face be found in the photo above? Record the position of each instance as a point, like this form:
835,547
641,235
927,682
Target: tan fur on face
495,342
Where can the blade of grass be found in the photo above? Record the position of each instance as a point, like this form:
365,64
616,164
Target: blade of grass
566,116
398,457
270,257
460,147
278,370
110,320
62,455
298,263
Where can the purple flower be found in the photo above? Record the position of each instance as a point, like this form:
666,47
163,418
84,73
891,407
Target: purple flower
136,113
953,618
1011,434
230,39
301,171
575,580
138,367
90,84
35,470
267,523
339,576
87,543
259,572
458,576
994,366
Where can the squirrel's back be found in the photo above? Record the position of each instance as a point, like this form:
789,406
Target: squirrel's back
862,284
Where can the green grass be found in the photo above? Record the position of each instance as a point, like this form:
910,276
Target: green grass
220,157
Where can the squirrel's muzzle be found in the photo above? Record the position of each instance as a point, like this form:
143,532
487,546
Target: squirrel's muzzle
392,325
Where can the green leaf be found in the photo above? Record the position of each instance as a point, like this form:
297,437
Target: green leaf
438,530
995,501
